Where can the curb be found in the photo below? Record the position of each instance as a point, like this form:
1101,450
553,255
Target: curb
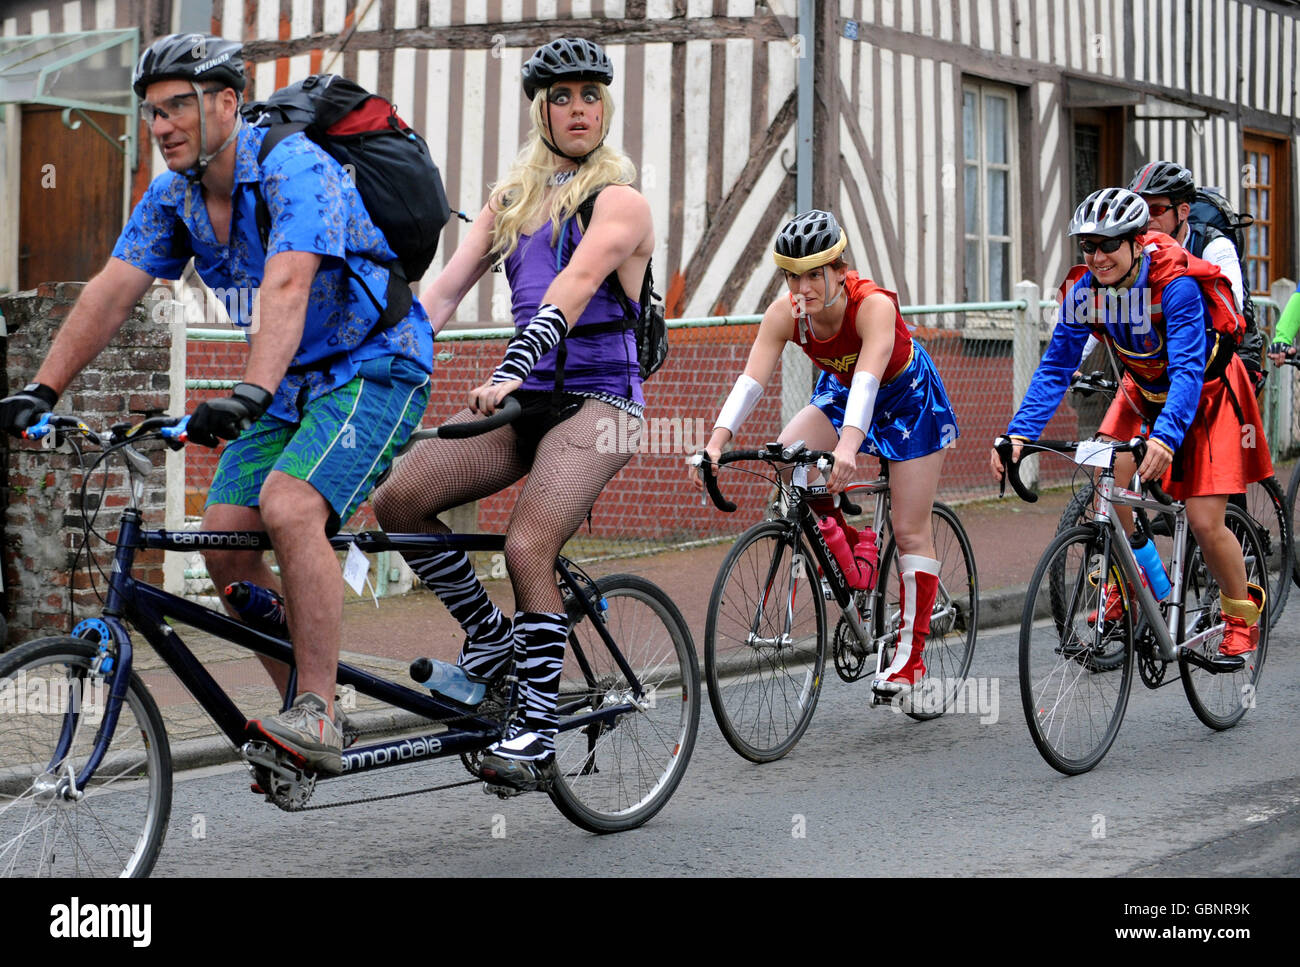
217,750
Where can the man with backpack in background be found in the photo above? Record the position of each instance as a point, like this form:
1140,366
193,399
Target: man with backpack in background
339,361
1203,222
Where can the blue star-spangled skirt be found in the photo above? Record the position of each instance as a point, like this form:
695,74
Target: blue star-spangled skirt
913,416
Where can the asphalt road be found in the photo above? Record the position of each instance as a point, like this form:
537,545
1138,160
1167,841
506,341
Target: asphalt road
866,792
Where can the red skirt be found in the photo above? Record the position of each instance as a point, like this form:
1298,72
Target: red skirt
1220,454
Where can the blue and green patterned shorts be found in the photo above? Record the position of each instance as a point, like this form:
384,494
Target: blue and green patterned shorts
345,441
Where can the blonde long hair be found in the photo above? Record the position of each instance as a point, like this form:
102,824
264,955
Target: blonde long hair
517,198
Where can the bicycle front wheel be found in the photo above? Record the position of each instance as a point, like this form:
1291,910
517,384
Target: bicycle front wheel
1076,665
1220,699
954,622
765,642
615,775
116,824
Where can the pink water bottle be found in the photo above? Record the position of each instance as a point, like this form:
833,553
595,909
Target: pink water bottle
844,556
867,555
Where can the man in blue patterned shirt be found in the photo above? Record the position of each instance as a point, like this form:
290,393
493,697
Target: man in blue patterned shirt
332,386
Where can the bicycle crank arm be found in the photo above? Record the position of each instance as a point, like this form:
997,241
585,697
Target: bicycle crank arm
1224,664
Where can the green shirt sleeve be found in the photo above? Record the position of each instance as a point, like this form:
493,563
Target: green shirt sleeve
1290,321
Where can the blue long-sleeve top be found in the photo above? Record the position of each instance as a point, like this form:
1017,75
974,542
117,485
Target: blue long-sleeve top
1166,358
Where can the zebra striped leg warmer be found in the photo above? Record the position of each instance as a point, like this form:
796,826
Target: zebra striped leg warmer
540,640
489,640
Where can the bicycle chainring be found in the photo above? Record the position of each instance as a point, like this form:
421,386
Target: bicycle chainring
277,777
1150,667
849,653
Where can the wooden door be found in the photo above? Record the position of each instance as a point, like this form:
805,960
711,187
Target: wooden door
70,205
1267,175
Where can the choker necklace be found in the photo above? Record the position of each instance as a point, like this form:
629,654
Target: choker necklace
562,177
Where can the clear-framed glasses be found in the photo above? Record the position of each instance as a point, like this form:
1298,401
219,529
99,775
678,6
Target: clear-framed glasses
173,107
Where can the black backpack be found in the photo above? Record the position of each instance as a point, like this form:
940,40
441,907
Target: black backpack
387,161
1212,216
650,325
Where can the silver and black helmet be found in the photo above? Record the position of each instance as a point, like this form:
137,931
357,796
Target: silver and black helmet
198,58
1110,213
809,240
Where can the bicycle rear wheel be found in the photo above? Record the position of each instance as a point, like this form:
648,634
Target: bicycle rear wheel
116,827
615,776
954,622
1073,689
1220,699
765,642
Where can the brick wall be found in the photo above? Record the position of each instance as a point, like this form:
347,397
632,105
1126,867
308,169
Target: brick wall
43,514
651,498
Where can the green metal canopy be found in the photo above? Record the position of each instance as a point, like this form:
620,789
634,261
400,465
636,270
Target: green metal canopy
79,72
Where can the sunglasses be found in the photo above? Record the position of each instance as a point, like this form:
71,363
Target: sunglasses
173,107
1158,210
1110,246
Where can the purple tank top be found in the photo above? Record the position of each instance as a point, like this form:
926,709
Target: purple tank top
606,363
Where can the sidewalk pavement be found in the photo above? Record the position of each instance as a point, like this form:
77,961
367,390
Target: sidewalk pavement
1007,536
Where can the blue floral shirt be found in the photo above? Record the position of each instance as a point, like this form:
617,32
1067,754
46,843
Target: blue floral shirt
314,207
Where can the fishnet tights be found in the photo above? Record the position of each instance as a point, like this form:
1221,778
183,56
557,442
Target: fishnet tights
568,473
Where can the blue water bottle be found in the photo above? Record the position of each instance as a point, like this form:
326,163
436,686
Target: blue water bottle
1149,558
261,608
447,680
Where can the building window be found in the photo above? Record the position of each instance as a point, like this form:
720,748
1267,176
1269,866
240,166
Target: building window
991,190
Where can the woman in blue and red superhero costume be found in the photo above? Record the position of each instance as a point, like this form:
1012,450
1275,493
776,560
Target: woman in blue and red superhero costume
1167,314
560,298
878,393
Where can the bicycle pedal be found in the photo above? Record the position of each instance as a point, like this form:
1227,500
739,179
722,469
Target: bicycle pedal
502,792
276,761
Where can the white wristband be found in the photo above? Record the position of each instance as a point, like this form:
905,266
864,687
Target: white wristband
739,404
862,401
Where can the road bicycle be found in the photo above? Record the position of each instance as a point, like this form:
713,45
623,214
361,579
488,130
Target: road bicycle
86,777
766,638
1265,501
1078,650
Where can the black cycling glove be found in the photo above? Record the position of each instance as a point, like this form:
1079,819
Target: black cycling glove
540,336
1282,348
227,417
21,410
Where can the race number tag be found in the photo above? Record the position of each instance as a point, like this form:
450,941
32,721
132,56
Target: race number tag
356,571
1093,453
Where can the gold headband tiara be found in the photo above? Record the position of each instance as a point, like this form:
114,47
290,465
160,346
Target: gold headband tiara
800,266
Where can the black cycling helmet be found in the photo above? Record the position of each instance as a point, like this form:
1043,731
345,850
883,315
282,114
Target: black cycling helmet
1110,213
808,241
568,58
191,57
1164,178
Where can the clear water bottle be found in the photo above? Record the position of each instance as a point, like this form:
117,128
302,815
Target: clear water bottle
1154,569
447,680
261,608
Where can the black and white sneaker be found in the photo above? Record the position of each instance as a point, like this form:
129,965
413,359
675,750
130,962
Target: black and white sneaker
525,762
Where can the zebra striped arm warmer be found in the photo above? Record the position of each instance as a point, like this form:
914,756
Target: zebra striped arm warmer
539,337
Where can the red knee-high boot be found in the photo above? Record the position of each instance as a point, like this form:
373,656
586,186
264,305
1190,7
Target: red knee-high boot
919,586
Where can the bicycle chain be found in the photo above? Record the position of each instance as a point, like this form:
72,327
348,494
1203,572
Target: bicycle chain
493,706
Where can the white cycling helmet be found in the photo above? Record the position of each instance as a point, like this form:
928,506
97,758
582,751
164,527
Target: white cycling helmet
1110,213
